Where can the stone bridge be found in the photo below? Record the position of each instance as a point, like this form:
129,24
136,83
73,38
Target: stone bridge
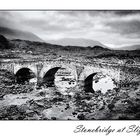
82,72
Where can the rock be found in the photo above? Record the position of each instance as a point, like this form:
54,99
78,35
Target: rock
111,106
74,113
12,112
41,94
36,106
81,117
57,99
53,118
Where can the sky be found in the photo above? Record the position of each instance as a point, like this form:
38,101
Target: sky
112,28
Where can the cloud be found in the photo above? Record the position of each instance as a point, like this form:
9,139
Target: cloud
129,28
5,19
126,12
109,27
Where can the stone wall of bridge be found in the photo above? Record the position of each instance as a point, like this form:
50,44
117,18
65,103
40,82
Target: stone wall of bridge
112,72
7,66
80,72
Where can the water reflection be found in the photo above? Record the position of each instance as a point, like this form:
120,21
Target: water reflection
103,84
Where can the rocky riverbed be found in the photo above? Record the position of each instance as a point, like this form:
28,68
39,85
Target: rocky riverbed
26,102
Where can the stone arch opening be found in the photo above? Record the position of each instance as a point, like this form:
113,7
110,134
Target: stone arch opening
49,77
24,75
62,78
98,82
88,82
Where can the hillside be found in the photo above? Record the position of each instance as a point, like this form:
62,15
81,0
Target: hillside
18,48
18,34
4,43
42,47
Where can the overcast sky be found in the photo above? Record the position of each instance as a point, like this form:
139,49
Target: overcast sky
112,28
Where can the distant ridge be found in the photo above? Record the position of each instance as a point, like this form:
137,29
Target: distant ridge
82,42
131,47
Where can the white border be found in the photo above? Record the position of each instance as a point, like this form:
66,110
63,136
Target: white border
63,130
69,4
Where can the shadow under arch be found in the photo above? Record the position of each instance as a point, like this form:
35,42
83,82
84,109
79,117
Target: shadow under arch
49,77
88,83
24,75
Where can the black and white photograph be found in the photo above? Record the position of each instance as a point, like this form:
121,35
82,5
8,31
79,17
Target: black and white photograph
69,65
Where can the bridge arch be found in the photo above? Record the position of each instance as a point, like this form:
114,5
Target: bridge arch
91,76
49,76
32,67
48,73
24,74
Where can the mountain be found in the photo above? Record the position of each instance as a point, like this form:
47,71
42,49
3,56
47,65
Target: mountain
4,43
18,34
131,47
76,42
